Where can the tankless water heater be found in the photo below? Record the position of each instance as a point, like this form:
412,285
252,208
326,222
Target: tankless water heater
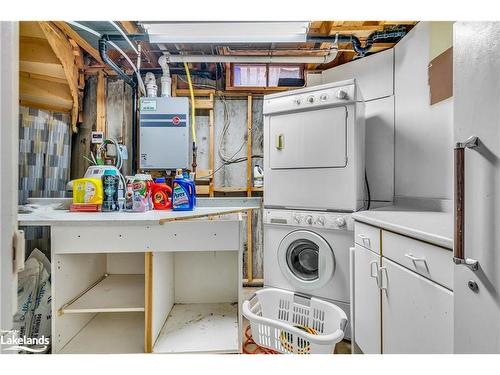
164,133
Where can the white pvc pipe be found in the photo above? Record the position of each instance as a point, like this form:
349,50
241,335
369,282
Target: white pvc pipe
254,59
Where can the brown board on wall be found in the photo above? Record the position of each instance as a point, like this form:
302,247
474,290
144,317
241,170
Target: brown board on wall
441,76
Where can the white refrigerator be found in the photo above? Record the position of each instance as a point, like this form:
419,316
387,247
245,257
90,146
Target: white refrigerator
476,56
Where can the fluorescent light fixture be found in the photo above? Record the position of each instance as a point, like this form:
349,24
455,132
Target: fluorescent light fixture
226,32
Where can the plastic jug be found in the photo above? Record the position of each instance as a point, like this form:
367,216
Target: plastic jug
162,194
191,180
182,193
87,190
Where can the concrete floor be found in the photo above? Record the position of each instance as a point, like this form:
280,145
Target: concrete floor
343,347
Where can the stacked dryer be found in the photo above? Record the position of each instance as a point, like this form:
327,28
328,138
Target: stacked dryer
314,168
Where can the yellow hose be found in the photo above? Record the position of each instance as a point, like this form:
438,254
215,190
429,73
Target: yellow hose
191,92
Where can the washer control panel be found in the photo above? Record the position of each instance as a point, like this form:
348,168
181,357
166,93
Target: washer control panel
312,219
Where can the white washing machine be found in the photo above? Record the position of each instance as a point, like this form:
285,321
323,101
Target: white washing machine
314,147
307,252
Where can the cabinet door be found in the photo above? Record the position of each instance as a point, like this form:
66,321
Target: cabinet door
366,301
417,313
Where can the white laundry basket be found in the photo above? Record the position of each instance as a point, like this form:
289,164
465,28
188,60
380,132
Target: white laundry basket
281,320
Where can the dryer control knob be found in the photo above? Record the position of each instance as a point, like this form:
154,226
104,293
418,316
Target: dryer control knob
340,221
297,219
309,220
297,101
342,94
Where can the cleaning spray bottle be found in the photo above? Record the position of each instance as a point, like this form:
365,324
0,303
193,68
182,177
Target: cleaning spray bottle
182,195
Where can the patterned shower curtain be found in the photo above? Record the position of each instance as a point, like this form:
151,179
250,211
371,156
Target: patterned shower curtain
44,164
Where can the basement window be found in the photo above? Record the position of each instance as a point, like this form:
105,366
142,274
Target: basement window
266,75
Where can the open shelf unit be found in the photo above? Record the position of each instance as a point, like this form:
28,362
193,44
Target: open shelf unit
114,293
200,327
109,333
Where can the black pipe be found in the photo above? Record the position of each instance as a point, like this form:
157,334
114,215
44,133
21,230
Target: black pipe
356,44
134,127
132,82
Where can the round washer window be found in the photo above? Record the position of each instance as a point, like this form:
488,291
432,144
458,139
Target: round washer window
302,258
306,260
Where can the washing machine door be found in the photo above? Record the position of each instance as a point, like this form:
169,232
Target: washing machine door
306,260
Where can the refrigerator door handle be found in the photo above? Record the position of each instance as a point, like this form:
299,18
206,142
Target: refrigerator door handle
459,214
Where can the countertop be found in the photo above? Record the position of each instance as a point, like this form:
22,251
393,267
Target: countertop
155,217
435,227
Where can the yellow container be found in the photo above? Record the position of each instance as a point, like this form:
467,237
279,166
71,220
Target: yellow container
87,190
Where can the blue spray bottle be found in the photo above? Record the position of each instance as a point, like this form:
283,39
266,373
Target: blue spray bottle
182,197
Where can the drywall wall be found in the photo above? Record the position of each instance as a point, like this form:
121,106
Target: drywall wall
423,137
374,75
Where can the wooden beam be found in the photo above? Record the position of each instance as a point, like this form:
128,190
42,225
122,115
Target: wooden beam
50,70
42,77
148,302
131,28
37,50
249,146
86,46
249,190
44,94
211,141
65,53
101,103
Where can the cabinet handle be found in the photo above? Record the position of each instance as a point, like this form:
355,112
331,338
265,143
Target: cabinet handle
374,271
373,263
459,215
383,270
414,258
364,238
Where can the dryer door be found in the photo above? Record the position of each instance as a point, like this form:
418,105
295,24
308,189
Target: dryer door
309,139
306,260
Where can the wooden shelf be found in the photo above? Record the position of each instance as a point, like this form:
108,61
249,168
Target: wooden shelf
200,327
109,333
115,293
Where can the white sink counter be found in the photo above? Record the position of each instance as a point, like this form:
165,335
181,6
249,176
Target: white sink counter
435,227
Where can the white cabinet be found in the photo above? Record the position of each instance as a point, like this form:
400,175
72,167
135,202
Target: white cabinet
374,73
398,308
367,300
417,314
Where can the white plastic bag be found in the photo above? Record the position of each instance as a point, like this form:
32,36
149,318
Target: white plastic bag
33,318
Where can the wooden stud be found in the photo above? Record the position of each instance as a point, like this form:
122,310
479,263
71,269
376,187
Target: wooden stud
148,303
249,191
174,85
101,103
211,123
249,146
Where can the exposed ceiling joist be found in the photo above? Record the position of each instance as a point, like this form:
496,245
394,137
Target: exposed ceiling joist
86,46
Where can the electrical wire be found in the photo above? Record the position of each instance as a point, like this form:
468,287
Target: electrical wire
191,92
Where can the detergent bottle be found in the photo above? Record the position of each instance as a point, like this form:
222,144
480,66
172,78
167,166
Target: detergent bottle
161,194
191,180
182,193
